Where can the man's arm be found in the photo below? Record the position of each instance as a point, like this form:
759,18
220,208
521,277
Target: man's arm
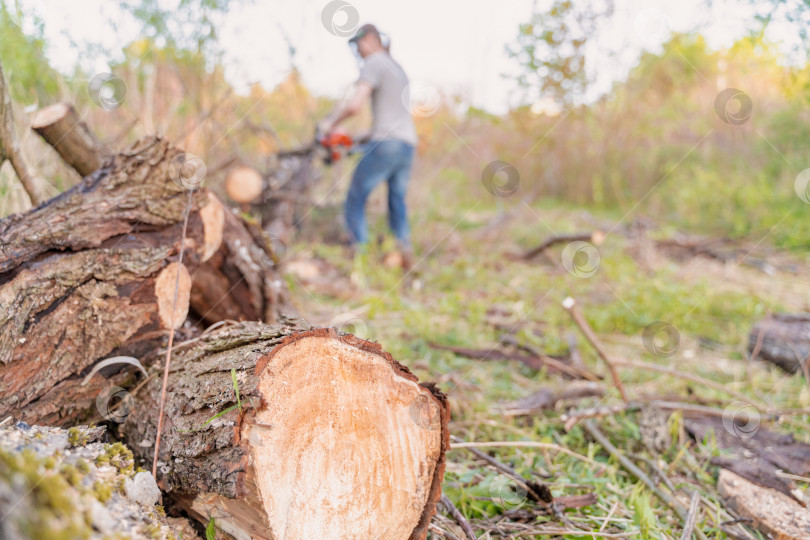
354,105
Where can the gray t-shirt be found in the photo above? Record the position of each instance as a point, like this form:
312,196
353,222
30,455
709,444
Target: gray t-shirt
390,99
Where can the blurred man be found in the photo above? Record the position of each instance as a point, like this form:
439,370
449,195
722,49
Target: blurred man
390,150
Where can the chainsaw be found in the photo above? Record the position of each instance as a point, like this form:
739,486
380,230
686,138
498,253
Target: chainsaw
337,144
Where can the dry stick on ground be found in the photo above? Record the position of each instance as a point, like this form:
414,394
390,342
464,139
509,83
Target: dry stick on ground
691,518
571,306
535,360
571,418
459,517
596,238
631,467
10,146
526,444
544,497
578,371
694,378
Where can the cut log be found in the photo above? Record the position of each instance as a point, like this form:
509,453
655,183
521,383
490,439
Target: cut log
782,339
88,275
62,128
57,483
322,435
243,184
772,513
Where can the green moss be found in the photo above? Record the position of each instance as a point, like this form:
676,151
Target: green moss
82,466
152,530
53,514
71,474
102,491
77,436
120,457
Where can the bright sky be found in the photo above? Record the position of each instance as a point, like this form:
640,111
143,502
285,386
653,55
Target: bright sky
455,46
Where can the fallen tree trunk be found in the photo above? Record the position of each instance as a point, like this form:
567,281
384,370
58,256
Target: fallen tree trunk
92,272
57,483
782,339
285,432
62,128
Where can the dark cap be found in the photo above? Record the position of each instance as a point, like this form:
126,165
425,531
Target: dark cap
363,31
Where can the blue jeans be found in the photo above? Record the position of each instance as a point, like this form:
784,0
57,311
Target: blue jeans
385,160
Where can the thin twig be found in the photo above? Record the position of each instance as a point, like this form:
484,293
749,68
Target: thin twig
631,467
694,378
596,237
571,306
171,334
504,468
691,517
526,444
459,517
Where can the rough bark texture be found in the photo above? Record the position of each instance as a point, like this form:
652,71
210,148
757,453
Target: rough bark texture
783,339
57,483
62,128
79,275
221,466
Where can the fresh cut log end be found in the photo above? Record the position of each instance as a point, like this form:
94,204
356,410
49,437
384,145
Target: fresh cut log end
360,440
334,439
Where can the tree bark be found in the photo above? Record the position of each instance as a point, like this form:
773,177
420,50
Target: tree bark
91,273
10,146
782,339
62,128
329,437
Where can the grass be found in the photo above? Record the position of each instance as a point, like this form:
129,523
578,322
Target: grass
467,276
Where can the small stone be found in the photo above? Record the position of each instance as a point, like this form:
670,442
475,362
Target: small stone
142,489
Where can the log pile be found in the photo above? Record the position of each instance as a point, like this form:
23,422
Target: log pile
277,429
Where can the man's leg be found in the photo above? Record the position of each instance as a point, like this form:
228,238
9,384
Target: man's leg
372,169
397,189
